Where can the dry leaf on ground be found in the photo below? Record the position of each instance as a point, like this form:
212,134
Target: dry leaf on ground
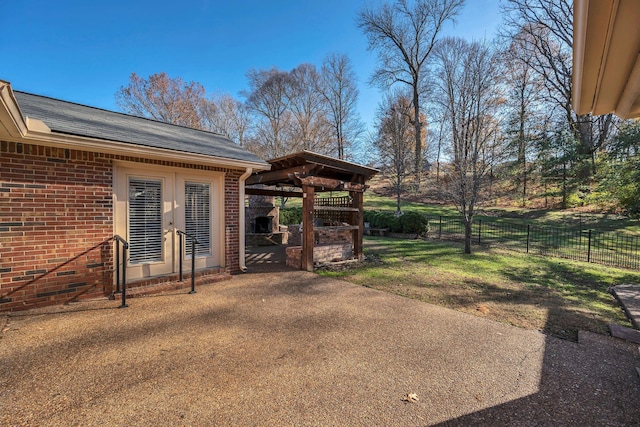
482,309
410,397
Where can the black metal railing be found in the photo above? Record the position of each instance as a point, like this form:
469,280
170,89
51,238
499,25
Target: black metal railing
119,241
182,235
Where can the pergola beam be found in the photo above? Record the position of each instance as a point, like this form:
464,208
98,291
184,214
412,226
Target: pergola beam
274,177
271,192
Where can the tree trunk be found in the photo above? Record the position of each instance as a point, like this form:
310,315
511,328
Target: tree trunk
564,185
524,185
418,134
467,234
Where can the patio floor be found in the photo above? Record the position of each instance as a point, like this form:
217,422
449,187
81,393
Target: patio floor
285,347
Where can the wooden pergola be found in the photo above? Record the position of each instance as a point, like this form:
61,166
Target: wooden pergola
314,173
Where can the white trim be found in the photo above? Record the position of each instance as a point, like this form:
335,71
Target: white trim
10,115
630,92
613,11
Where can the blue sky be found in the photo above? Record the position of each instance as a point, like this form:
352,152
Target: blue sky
84,51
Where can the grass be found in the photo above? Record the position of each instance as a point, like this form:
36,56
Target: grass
374,201
557,296
569,218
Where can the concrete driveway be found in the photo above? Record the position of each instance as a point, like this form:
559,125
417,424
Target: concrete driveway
292,348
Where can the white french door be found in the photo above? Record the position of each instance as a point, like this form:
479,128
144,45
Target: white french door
151,205
149,226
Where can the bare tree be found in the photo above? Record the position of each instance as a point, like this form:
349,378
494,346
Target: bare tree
544,30
341,95
468,91
439,149
394,141
228,116
525,120
162,98
404,34
267,99
310,129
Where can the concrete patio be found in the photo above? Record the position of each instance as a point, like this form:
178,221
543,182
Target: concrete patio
284,347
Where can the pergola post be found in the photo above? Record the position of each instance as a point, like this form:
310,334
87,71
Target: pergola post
308,195
358,219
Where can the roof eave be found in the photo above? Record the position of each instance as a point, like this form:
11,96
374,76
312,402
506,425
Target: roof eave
131,150
606,65
12,125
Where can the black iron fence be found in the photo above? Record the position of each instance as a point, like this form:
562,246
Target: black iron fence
601,247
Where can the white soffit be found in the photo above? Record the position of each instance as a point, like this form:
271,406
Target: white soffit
606,69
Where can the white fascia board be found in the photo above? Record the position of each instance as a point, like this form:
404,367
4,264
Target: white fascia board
580,16
10,114
630,93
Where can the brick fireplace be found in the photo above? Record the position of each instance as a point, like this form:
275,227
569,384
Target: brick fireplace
262,222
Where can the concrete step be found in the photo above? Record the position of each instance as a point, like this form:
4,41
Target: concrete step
134,291
628,295
624,333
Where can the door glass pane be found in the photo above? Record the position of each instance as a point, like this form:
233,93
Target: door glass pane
198,216
145,220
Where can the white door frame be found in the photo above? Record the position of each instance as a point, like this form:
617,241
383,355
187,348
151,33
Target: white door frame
173,217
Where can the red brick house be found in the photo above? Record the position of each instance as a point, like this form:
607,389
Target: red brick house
72,177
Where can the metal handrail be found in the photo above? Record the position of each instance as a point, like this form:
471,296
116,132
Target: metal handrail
194,242
125,245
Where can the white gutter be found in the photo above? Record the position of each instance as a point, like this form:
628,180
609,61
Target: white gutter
241,211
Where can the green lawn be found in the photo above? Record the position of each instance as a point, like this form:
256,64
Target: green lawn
554,295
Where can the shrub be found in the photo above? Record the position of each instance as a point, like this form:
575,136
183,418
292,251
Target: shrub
413,222
407,222
381,219
289,216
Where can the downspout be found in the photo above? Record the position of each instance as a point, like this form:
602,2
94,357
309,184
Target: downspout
241,237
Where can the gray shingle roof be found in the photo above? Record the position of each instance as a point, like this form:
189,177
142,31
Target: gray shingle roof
80,120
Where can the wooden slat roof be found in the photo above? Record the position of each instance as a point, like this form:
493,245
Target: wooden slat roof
285,170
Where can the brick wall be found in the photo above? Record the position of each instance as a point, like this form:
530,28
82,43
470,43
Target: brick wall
321,254
56,222
321,236
232,220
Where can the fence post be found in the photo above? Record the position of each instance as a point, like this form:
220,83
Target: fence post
528,234
589,248
440,232
479,230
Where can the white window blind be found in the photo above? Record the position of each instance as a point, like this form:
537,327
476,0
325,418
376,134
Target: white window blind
145,220
198,216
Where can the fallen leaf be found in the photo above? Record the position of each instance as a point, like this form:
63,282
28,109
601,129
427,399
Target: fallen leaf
482,309
410,397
